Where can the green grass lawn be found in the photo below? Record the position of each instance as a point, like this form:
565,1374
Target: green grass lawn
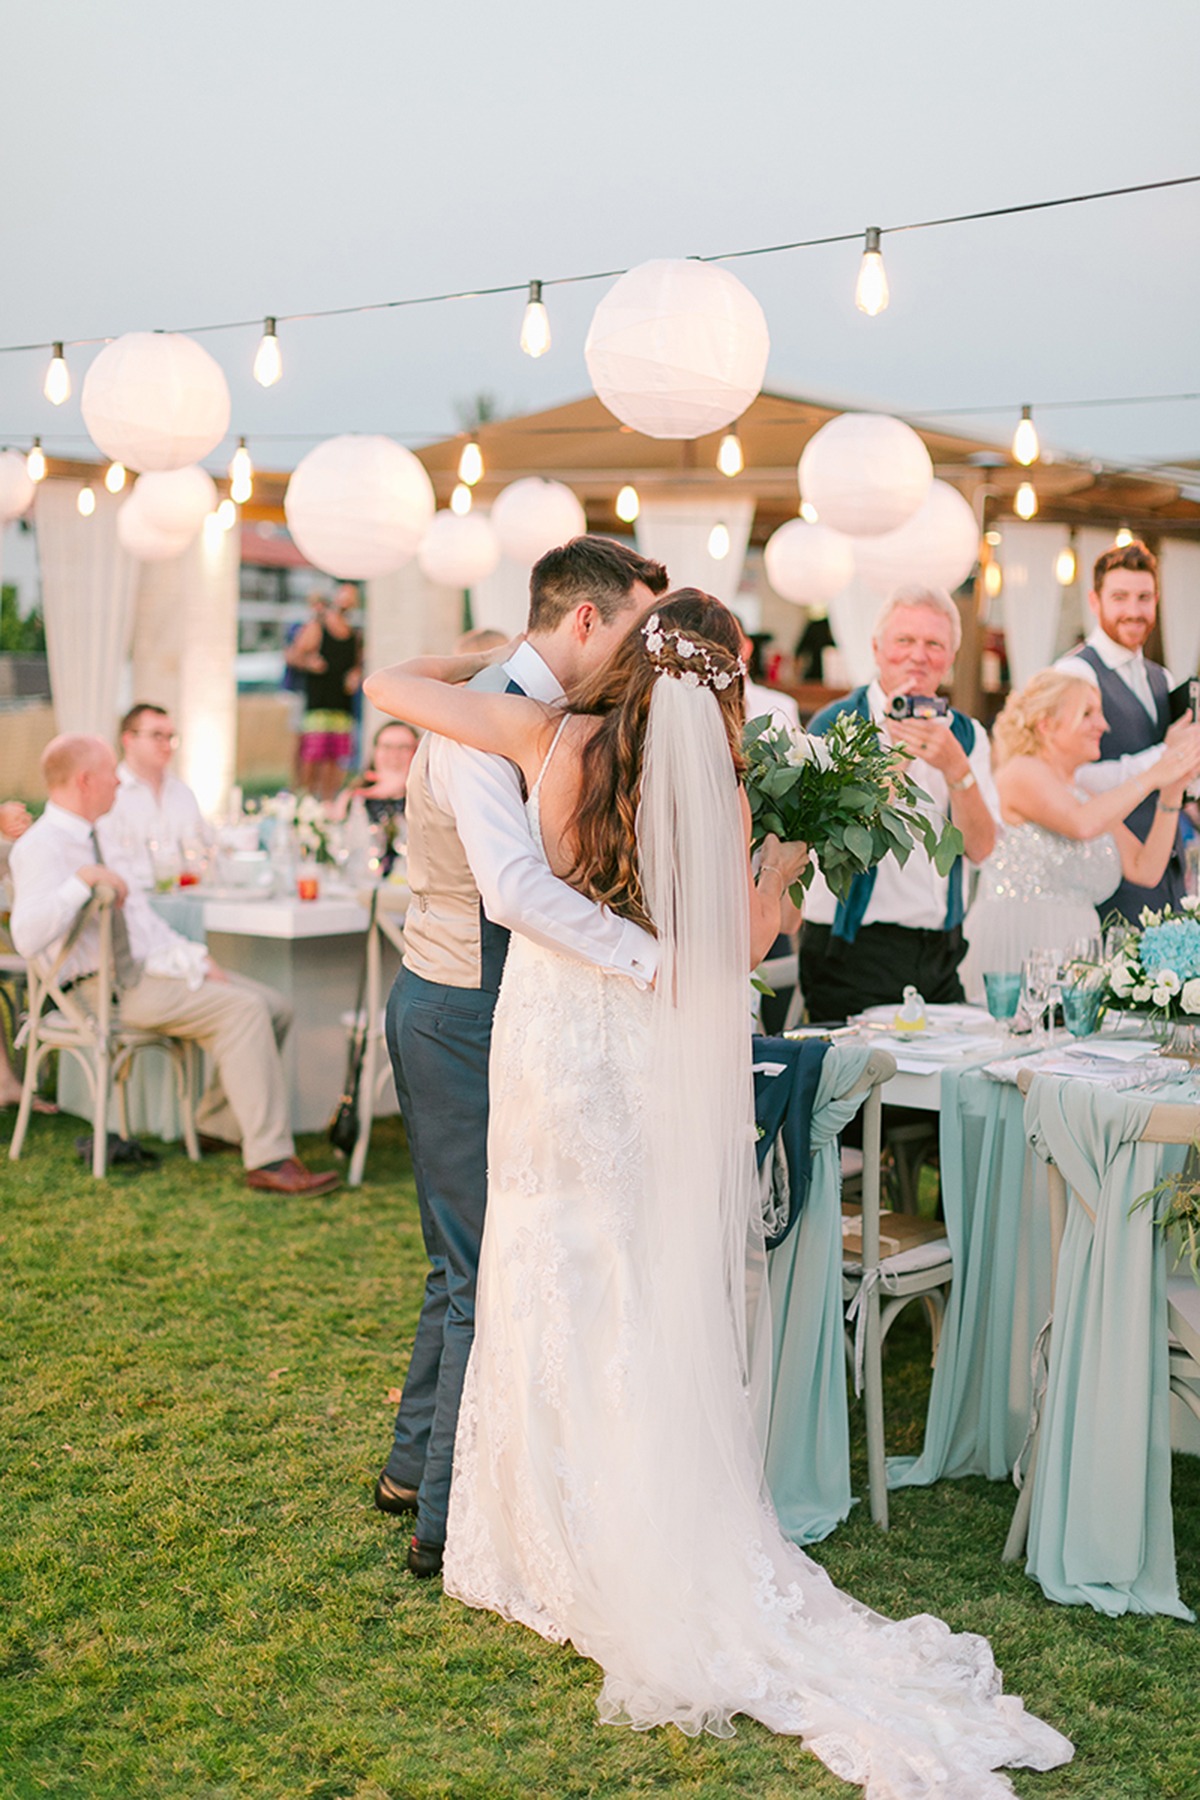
198,1599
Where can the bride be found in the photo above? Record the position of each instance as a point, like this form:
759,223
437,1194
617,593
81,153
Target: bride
608,1485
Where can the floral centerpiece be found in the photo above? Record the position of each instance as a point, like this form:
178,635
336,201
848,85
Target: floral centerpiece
847,795
1155,971
304,821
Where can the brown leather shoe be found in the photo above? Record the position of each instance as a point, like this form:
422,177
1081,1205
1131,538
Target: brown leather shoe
394,1496
291,1177
214,1146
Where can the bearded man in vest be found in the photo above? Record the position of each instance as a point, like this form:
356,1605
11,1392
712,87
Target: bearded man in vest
902,925
475,873
1134,690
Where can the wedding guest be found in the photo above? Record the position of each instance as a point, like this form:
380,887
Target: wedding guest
166,982
153,806
475,871
329,651
1061,850
15,821
1134,690
902,924
384,784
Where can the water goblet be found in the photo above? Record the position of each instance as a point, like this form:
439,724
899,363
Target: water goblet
1082,1005
1003,992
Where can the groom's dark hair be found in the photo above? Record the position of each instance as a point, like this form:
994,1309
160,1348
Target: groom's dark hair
588,568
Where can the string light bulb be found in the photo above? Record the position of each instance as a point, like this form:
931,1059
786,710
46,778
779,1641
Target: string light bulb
241,474
35,462
57,385
1123,537
871,289
808,512
1025,446
460,500
628,504
535,326
731,459
268,363
1064,566
114,477
993,579
718,542
85,500
470,463
226,515
1025,503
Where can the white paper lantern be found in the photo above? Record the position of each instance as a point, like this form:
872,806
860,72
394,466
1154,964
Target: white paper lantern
533,515
147,542
459,552
809,564
16,488
937,547
155,400
177,501
358,507
865,473
677,349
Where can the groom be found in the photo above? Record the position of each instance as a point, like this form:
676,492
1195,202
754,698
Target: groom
475,874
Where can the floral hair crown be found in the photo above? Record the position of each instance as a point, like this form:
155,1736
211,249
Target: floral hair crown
707,672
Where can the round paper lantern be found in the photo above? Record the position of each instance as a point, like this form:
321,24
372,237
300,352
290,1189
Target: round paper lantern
865,473
533,515
16,488
177,501
937,547
458,552
358,507
144,541
809,564
155,400
677,349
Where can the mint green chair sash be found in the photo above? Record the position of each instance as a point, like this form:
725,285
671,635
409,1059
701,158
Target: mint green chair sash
808,1445
1100,1530
994,1199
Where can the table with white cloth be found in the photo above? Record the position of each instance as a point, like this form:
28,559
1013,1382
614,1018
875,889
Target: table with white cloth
311,951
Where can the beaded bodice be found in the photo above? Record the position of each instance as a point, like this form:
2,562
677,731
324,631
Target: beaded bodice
1031,863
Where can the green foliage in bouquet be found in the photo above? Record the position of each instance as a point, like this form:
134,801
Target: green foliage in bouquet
1175,1204
847,795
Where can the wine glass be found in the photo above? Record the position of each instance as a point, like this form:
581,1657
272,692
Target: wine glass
1038,974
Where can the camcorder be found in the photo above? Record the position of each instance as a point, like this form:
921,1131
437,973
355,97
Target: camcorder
917,706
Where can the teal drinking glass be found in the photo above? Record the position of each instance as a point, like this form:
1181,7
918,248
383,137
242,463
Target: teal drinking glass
1003,993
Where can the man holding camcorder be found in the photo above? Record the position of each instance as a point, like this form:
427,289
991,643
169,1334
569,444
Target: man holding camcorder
903,925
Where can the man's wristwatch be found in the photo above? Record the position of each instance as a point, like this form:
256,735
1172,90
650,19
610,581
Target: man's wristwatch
960,787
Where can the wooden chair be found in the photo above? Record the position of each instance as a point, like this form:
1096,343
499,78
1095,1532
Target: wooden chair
391,904
889,1260
100,1044
1167,1124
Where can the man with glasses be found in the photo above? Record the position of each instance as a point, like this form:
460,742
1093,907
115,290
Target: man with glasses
153,806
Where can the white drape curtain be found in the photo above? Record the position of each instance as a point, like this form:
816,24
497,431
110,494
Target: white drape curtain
1031,597
675,530
1179,605
88,585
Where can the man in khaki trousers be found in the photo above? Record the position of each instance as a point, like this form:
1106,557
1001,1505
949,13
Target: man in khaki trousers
165,982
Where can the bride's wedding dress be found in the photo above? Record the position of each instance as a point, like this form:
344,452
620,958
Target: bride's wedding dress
607,1484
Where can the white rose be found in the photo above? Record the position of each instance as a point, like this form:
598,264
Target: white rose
1142,992
1121,980
1189,998
1161,996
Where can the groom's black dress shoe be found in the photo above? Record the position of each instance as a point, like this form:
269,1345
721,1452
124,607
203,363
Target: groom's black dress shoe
393,1497
424,1559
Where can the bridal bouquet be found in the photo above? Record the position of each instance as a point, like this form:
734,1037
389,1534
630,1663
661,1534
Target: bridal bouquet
1157,969
847,795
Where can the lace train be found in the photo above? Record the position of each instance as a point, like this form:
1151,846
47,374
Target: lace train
569,1512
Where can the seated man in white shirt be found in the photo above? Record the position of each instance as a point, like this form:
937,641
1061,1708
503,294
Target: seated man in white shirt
153,807
903,924
166,982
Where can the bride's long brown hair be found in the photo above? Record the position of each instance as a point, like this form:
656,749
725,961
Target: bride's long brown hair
604,829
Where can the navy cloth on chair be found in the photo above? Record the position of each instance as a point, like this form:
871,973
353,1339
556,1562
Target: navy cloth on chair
783,1104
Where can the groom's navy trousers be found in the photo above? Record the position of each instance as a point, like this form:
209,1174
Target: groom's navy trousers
439,1039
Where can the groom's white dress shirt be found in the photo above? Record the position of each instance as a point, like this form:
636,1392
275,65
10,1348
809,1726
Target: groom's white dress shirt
518,890
49,895
1130,665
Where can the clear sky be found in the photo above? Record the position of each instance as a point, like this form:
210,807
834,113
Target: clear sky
171,163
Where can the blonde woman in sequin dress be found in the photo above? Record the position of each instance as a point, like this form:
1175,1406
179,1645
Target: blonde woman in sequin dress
1061,851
